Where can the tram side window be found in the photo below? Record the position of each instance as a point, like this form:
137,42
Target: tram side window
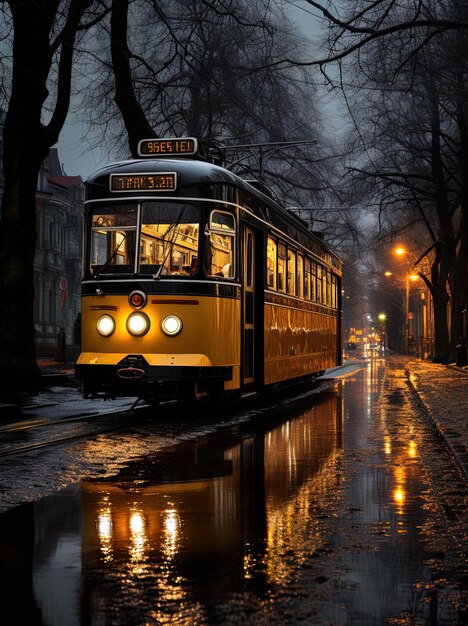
113,240
307,279
221,245
271,263
334,299
319,284
300,276
169,238
281,268
291,272
313,281
326,287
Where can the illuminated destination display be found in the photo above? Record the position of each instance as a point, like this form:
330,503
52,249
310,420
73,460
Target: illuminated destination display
181,146
143,182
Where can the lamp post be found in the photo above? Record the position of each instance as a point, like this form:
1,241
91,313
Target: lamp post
382,317
408,277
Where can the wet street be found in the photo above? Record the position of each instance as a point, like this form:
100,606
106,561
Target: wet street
333,508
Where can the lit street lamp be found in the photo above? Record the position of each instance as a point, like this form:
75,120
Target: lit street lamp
382,318
408,277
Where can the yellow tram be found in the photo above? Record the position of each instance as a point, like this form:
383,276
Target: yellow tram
196,283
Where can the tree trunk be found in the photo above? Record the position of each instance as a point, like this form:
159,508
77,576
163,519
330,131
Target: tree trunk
26,144
24,150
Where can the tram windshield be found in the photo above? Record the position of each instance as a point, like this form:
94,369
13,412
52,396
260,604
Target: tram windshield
166,234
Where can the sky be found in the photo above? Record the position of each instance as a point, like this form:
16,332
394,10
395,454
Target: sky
78,159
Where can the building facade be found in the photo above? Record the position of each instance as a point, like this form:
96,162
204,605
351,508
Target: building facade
57,263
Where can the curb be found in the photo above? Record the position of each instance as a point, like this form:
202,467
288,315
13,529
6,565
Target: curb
457,452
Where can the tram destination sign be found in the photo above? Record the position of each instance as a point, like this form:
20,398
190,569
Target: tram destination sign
180,146
166,181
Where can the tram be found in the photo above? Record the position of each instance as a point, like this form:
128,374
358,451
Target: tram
196,283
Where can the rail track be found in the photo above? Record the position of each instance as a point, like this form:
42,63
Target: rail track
125,419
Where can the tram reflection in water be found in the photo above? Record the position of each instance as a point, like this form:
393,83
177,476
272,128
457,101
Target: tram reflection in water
212,518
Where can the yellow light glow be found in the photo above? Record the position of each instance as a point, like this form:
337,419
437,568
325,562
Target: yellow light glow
171,325
105,531
106,325
414,277
138,324
136,523
400,251
105,525
388,274
138,537
399,495
412,449
171,525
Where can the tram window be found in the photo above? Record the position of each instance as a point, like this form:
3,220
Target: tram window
300,276
219,257
333,292
319,283
307,279
291,272
113,239
325,287
282,268
169,238
313,281
271,263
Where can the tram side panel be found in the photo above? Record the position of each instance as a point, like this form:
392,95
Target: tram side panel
298,342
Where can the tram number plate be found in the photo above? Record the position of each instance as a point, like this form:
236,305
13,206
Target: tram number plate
180,146
143,182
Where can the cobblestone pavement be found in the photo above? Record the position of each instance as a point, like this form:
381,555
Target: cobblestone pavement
442,391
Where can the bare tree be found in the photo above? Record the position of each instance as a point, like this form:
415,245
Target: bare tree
42,35
411,120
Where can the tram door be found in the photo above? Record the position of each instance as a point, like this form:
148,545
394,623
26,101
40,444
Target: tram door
248,317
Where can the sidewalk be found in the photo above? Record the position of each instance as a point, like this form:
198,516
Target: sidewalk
442,391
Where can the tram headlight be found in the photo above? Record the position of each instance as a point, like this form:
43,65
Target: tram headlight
105,325
138,324
171,325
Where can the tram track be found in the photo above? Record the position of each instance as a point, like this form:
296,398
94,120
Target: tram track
127,415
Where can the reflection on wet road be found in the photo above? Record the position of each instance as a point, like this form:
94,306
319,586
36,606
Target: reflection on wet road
319,512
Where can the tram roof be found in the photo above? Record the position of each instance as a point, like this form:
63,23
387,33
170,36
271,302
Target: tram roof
191,174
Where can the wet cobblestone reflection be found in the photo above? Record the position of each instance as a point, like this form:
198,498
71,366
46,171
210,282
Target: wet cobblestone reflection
323,511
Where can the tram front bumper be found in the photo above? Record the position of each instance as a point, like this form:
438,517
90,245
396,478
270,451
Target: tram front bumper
97,370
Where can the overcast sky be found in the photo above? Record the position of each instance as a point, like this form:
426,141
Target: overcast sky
77,157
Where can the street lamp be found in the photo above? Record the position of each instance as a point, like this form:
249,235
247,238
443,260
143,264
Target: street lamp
382,318
410,276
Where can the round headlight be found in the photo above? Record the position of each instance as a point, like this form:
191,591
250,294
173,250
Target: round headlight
105,325
138,324
171,325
